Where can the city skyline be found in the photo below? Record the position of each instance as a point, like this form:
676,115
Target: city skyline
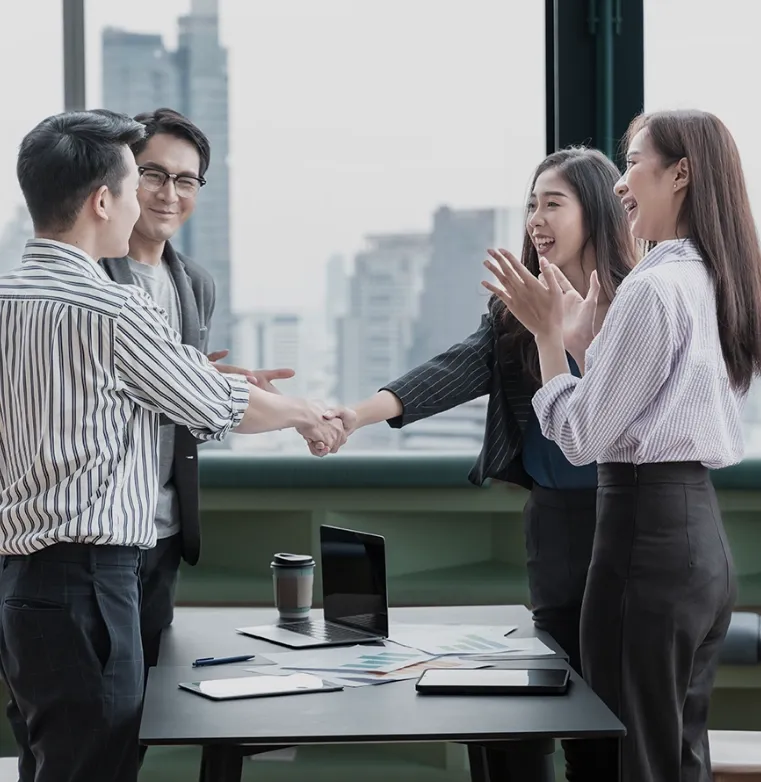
322,154
345,122
335,134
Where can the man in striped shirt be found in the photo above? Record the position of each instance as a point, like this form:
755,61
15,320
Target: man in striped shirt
87,368
172,158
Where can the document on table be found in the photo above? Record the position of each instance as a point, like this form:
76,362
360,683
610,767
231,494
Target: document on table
454,640
517,648
411,672
351,678
351,659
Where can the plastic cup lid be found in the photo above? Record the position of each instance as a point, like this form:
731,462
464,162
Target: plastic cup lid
292,560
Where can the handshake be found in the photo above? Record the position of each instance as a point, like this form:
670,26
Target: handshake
326,431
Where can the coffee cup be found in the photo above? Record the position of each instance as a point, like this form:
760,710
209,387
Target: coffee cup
293,583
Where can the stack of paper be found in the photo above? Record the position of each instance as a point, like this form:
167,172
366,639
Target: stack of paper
411,650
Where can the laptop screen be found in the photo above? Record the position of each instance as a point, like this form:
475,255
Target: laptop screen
354,579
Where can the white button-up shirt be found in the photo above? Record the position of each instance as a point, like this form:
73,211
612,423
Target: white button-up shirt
656,387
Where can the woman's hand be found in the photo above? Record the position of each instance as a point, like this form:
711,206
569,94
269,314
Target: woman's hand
538,305
579,313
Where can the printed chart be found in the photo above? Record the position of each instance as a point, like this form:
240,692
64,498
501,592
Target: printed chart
378,662
453,639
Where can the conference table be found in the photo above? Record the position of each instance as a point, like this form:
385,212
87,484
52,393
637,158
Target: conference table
387,713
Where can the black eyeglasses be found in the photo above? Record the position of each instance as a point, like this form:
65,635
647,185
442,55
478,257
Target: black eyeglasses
185,185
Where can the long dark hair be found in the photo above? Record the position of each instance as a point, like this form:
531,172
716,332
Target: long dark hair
592,176
717,213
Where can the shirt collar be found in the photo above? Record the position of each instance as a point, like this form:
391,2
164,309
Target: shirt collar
669,251
50,250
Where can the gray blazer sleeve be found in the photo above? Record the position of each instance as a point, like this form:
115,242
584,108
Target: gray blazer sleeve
459,374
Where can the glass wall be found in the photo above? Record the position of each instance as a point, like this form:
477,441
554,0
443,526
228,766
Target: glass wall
31,59
363,157
698,58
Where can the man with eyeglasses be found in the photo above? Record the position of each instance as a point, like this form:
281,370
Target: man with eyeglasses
172,160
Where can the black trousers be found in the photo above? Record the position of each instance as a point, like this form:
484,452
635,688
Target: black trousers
659,598
158,578
559,528
71,656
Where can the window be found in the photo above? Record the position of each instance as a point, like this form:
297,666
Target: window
339,128
31,58
697,58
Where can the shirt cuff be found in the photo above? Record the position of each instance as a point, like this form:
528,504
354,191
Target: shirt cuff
239,397
547,396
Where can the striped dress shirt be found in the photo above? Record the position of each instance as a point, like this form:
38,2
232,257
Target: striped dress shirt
87,367
656,388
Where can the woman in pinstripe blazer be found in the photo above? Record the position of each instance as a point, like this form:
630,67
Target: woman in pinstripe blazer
573,219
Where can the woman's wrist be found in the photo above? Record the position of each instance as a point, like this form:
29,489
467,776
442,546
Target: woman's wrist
553,360
549,339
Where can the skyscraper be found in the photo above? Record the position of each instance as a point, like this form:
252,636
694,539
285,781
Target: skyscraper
451,307
272,340
336,308
375,334
141,74
453,299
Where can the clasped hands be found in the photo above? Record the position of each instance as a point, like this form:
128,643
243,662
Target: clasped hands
325,430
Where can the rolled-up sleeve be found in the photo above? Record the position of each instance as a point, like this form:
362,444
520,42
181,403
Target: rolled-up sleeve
161,374
627,365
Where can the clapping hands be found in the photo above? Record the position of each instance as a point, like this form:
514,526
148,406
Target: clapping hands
549,303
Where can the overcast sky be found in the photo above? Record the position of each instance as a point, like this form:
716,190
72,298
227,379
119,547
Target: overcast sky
351,117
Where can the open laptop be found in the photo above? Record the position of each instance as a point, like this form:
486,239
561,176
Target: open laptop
355,598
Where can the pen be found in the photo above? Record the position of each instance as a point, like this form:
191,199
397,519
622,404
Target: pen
240,658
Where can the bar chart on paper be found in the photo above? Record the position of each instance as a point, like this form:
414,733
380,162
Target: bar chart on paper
376,659
382,661
453,639
473,644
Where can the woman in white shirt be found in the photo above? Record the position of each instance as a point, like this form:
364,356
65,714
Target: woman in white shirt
659,404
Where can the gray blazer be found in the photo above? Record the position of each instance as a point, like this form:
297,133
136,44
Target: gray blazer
196,292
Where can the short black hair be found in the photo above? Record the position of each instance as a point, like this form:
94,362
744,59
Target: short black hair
175,124
68,156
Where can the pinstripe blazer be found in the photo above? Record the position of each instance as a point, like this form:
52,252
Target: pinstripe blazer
468,370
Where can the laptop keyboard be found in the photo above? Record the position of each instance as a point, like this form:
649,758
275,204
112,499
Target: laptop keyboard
323,632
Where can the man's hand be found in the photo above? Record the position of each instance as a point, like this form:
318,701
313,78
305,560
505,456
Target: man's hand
324,435
260,377
264,377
